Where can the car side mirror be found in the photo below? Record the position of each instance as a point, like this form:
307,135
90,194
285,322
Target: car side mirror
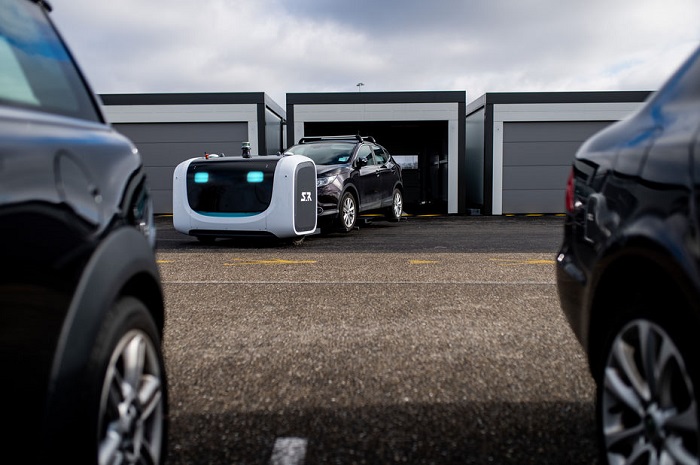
361,162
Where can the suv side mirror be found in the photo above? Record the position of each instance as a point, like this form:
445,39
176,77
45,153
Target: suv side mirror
361,162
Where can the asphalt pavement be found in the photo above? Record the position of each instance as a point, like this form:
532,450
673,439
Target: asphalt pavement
429,341
518,234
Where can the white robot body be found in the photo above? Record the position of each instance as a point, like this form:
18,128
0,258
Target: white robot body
235,196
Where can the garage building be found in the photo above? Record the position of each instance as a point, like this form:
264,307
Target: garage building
519,146
170,128
423,130
504,153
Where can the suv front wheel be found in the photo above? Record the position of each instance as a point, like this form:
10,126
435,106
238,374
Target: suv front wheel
347,217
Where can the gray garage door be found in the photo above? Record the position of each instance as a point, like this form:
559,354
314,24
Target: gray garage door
537,158
164,145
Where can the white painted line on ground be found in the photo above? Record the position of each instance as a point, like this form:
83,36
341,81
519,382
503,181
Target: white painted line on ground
288,451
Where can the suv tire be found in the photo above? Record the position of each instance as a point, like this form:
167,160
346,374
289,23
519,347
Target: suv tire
347,214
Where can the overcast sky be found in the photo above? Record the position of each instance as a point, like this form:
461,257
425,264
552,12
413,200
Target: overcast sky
286,46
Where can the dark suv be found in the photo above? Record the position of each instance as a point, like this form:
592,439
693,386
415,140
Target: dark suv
355,175
81,305
628,274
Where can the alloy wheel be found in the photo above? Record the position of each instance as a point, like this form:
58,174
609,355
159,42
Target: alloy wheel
131,405
348,212
397,205
648,403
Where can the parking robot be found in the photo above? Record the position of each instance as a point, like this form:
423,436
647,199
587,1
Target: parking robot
262,196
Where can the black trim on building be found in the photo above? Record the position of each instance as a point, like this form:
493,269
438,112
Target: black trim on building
492,98
376,97
194,98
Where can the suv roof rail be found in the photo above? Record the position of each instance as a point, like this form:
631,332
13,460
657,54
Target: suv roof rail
356,137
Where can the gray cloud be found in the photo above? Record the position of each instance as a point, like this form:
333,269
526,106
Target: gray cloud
280,46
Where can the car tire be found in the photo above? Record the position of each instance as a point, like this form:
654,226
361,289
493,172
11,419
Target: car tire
347,214
127,382
639,411
394,212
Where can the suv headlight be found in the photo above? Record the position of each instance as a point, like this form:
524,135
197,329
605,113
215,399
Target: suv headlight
320,182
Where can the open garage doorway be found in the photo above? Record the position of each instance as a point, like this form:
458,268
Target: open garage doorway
421,147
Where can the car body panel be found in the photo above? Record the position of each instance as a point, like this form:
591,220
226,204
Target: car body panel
372,181
636,191
76,231
109,274
628,274
369,182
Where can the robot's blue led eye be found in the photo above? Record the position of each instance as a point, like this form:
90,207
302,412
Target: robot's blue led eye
201,177
254,176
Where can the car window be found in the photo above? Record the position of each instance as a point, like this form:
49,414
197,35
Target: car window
36,70
381,156
325,154
365,152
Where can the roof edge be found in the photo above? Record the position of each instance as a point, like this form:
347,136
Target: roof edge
320,98
559,97
190,98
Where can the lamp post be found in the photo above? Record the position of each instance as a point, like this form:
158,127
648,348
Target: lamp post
359,86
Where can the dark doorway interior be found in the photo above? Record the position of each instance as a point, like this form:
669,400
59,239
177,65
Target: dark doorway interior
425,182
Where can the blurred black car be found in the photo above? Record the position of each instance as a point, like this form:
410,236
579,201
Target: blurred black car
355,175
628,274
81,305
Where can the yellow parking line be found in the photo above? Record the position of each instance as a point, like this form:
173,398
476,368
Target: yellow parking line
274,261
506,262
423,262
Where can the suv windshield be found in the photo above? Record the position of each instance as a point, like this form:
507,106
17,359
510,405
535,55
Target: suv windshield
36,71
335,153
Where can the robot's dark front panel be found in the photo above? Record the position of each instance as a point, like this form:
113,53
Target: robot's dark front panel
230,187
305,197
